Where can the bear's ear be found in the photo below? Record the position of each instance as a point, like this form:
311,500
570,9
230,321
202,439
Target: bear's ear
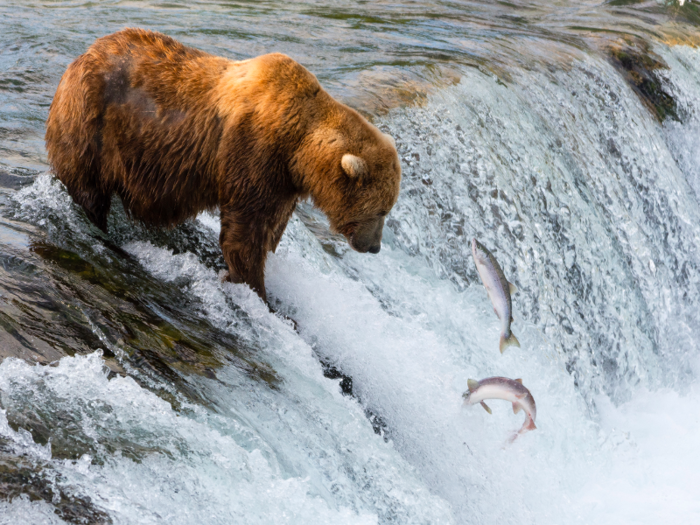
354,166
391,139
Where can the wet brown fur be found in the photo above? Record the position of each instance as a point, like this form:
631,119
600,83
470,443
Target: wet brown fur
174,131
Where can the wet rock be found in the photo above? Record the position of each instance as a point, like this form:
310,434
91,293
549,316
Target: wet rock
20,476
636,62
378,423
57,302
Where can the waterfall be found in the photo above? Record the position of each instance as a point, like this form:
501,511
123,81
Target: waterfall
182,399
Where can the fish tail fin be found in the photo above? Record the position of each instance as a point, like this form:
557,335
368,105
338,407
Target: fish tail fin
505,342
516,408
530,425
473,384
511,439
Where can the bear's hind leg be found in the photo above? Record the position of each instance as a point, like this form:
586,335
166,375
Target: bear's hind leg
95,203
243,246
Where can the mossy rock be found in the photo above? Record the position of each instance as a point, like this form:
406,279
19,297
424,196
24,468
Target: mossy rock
636,62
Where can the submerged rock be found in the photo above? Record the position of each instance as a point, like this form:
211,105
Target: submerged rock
378,423
14,182
19,476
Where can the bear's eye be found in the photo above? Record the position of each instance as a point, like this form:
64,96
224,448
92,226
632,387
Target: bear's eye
383,213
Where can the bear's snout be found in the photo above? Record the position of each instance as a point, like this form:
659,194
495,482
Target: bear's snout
367,236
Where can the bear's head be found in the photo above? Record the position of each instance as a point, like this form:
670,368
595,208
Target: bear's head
352,172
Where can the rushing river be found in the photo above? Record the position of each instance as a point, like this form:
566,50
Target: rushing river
137,388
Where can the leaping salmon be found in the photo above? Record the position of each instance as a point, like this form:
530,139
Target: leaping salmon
498,289
503,388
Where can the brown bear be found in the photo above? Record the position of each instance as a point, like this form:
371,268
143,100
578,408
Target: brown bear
174,131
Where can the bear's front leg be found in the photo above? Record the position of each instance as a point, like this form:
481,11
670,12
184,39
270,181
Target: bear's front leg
286,209
243,243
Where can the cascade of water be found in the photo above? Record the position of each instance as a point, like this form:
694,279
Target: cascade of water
591,207
575,186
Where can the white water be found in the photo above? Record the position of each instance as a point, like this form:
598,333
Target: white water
21,510
588,204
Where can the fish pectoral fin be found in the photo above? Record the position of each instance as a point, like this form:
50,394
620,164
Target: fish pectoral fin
473,384
486,407
516,408
512,288
519,381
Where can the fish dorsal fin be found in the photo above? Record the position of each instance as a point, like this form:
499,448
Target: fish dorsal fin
516,408
512,288
473,384
486,407
519,381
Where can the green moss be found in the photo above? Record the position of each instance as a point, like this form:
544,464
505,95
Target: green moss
624,2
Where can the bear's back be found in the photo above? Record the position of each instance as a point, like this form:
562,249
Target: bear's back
163,121
173,74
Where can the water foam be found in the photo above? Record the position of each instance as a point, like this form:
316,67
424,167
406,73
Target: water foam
21,510
169,467
387,485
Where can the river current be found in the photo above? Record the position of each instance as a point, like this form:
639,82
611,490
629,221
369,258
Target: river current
137,388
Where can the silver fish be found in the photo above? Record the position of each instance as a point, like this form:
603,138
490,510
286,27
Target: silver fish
503,388
498,289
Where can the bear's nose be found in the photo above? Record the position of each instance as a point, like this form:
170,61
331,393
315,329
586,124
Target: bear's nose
375,249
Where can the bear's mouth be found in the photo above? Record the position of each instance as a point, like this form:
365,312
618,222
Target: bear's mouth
361,248
351,242
348,231
359,240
